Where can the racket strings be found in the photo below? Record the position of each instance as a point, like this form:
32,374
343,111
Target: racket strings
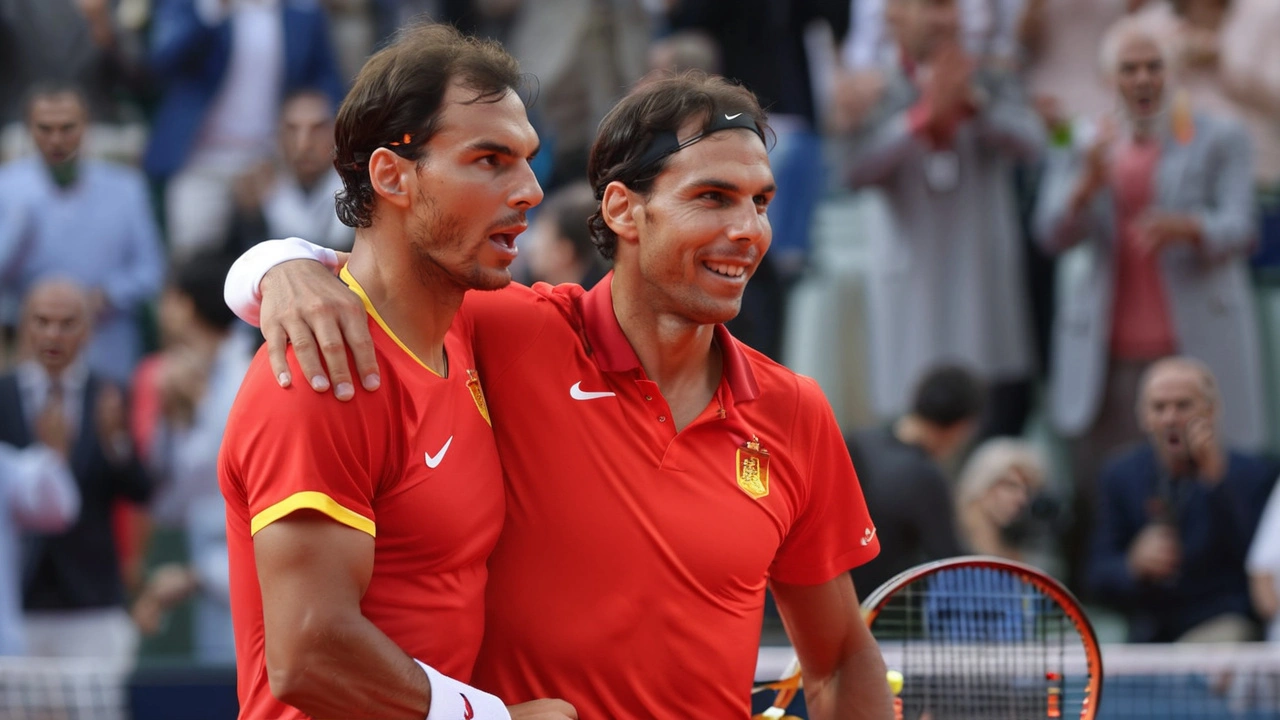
979,643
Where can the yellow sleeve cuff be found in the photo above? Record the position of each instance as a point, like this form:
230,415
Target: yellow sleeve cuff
312,500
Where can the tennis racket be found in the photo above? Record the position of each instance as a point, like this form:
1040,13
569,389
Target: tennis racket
981,637
977,638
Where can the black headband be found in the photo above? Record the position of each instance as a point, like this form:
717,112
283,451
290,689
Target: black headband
666,142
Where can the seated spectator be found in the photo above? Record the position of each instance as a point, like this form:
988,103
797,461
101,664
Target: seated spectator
1161,209
1176,515
37,494
946,280
995,494
199,375
296,200
223,69
197,378
900,470
1263,565
89,42
86,219
73,594
559,242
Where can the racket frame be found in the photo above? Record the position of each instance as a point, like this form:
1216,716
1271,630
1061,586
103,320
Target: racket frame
1056,591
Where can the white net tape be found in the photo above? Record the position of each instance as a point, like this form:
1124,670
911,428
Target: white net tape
1145,682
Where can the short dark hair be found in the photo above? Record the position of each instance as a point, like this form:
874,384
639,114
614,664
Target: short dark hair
49,87
568,209
200,278
304,92
656,107
948,394
397,99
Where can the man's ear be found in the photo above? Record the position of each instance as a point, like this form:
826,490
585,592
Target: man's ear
390,176
619,208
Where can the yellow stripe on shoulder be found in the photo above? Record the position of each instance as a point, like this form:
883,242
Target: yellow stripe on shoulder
312,500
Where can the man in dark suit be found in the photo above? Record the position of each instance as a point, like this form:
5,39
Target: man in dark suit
1176,515
73,594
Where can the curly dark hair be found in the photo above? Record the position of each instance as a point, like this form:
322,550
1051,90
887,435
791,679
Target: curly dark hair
397,99
656,107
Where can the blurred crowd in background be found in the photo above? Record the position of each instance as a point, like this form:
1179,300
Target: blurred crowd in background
1064,215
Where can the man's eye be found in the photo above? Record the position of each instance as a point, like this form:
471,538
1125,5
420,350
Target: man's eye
490,160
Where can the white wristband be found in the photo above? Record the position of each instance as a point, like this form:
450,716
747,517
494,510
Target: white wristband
242,290
453,700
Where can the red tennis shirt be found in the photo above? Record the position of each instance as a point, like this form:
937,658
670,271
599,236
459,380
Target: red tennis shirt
630,575
413,465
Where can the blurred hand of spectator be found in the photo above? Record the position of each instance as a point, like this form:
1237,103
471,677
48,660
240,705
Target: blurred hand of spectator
1199,46
1097,167
113,424
182,379
52,429
98,15
854,94
251,188
168,585
949,88
1158,230
1049,108
1155,553
1206,451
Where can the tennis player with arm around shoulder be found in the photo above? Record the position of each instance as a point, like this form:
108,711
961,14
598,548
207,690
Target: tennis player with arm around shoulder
358,536
659,473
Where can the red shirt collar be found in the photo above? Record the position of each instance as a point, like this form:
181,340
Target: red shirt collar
614,352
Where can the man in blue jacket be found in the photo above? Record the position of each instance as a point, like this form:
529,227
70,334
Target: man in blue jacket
224,67
1176,515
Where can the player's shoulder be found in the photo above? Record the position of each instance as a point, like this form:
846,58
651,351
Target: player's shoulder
536,298
262,400
778,383
518,313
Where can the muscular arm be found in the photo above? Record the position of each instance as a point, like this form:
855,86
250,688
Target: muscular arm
844,674
323,656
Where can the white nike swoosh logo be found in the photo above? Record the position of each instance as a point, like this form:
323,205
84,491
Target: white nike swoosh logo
868,536
434,460
730,117
577,393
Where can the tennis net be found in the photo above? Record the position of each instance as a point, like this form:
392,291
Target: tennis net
62,689
1141,682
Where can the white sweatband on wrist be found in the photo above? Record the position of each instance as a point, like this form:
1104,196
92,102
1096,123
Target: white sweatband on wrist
242,290
453,700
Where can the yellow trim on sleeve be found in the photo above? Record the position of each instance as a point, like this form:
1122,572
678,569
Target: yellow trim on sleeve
312,500
352,283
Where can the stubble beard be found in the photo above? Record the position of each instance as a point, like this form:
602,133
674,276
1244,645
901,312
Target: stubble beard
441,235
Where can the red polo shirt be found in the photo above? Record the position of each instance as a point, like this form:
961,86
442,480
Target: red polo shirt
414,465
630,574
